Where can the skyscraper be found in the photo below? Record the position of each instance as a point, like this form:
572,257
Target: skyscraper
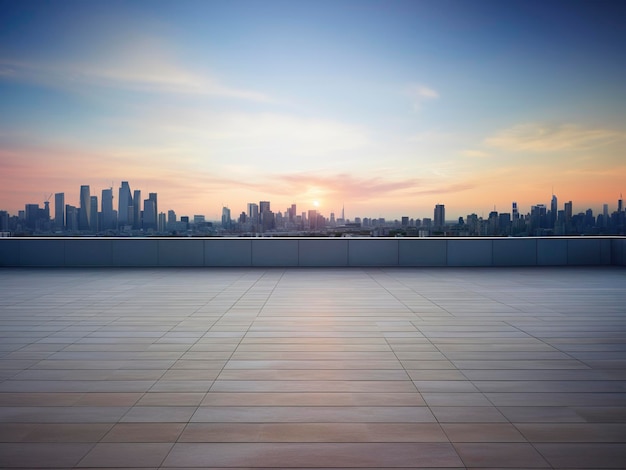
253,213
150,220
107,209
568,216
93,214
137,209
226,217
171,220
153,198
313,219
266,216
292,213
124,201
440,216
538,218
71,218
553,211
161,226
59,210
85,208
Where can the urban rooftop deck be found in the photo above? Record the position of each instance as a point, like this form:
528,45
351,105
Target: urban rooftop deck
313,368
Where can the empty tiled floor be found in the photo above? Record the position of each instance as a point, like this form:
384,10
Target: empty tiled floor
313,368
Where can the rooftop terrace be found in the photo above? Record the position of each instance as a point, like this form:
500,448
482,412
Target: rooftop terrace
320,367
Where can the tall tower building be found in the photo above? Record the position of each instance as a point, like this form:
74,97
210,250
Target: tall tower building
153,198
553,211
312,219
137,209
59,210
171,219
264,206
568,216
253,213
85,208
226,217
150,220
515,211
107,209
620,204
150,213
93,214
440,216
161,226
71,218
124,201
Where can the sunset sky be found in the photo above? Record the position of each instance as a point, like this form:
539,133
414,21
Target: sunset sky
386,107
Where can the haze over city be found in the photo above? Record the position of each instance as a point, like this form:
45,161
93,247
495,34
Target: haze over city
386,108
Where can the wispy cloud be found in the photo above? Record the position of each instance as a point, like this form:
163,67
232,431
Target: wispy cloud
419,94
343,186
475,153
141,64
258,139
536,137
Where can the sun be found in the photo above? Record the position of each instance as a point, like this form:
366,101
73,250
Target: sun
316,203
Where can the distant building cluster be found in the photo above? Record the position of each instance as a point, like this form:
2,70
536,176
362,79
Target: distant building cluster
134,216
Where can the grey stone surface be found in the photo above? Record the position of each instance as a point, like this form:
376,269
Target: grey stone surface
266,367
43,252
228,252
474,252
323,252
320,252
274,252
552,251
372,252
88,252
511,252
136,252
181,252
427,252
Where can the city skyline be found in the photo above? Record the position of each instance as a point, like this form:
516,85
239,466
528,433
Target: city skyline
388,108
125,212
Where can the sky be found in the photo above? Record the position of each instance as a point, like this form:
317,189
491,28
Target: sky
385,108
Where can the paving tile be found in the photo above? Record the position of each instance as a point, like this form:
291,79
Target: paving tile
468,414
145,432
313,386
581,455
601,414
61,414
573,432
171,399
311,375
455,399
312,399
58,432
126,455
158,414
313,432
313,414
42,455
276,455
481,432
500,455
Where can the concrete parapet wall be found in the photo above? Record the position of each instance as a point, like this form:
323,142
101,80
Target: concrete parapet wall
310,252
